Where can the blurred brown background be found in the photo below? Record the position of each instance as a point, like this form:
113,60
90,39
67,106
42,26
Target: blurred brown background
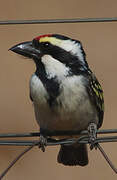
16,111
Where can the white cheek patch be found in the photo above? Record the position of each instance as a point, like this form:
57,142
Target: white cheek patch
54,68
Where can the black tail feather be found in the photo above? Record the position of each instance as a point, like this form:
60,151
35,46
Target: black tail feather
72,155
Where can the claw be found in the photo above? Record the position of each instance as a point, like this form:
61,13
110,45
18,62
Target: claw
42,142
92,129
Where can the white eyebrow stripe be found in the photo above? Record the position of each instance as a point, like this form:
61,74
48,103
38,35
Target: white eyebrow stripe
73,47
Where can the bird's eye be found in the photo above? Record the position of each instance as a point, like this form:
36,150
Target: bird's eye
46,44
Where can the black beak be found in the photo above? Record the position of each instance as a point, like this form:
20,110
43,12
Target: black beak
26,49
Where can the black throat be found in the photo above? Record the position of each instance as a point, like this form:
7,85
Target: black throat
52,86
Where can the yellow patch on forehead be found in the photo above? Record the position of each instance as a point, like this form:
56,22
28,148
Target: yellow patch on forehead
51,40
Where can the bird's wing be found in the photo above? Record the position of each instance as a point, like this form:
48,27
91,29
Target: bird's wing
96,95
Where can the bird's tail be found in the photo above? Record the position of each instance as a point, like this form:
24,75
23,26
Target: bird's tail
71,155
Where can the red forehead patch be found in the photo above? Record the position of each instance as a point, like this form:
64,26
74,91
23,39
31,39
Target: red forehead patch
42,36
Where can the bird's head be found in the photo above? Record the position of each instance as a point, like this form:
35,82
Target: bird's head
54,48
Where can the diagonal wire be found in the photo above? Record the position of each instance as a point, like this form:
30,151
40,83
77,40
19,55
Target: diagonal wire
15,160
106,158
51,21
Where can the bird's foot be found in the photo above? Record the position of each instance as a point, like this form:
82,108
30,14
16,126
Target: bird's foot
42,142
92,131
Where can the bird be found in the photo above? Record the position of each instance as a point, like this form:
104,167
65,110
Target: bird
64,91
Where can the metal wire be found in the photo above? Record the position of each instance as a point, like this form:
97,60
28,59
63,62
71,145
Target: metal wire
55,133
84,139
52,142
51,21
106,158
15,160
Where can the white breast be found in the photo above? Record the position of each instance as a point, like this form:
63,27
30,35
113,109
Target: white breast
37,90
73,93
75,110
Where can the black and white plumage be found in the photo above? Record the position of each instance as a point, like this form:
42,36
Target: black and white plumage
65,93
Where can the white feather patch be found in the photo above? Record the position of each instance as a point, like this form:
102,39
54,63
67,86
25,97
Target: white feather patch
54,68
37,90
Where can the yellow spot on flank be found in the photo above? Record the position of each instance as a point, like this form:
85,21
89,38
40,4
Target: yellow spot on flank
101,96
51,40
96,92
97,86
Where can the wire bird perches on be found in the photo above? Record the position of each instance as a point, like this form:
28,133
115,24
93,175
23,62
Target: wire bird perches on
47,21
84,139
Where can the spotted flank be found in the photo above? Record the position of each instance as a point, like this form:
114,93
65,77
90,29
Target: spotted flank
96,95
